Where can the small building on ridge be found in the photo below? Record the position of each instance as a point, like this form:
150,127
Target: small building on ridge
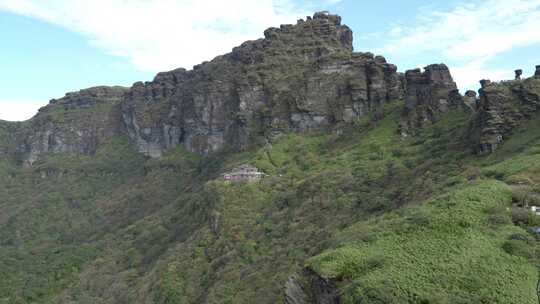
245,172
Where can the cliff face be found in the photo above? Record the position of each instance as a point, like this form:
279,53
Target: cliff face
502,107
429,95
77,123
299,77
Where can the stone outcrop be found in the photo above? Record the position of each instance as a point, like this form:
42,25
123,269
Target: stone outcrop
294,292
502,107
77,123
299,77
518,74
310,288
428,95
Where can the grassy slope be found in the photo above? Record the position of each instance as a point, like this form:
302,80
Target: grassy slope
460,247
444,251
120,228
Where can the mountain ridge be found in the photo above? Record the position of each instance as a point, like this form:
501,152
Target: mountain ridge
299,77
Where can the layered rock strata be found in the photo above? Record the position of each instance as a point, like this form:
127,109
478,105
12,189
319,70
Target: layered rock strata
428,96
502,107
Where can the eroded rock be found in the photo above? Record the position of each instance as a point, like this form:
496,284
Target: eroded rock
77,123
428,95
502,107
300,77
518,74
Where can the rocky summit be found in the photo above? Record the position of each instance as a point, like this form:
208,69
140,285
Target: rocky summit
299,77
291,170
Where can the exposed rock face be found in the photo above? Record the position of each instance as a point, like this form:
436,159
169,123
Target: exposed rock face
76,123
311,288
299,77
502,107
294,292
429,95
537,72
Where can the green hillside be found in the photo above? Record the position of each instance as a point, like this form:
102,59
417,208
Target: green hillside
379,217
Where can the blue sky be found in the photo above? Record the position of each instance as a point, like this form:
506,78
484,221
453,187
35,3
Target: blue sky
56,46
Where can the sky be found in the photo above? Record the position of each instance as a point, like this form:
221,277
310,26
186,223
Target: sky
52,47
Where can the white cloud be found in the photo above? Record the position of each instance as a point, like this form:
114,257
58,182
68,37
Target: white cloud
468,75
18,110
158,35
470,35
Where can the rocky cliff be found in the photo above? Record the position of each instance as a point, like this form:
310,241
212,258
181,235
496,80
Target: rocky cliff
77,123
299,77
429,95
502,107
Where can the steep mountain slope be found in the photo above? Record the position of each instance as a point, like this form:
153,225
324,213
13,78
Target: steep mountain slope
374,192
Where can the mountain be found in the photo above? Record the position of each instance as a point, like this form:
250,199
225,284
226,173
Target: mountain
379,187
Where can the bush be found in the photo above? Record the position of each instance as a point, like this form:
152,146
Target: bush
419,219
397,152
499,219
518,248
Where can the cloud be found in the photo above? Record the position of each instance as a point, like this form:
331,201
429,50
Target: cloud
468,75
469,35
158,35
18,110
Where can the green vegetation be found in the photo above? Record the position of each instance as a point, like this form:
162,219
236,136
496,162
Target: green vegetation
444,251
385,219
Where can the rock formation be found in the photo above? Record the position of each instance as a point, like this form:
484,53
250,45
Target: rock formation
501,108
428,95
309,287
77,123
299,77
518,74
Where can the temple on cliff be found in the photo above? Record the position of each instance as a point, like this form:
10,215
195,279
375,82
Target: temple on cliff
245,173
